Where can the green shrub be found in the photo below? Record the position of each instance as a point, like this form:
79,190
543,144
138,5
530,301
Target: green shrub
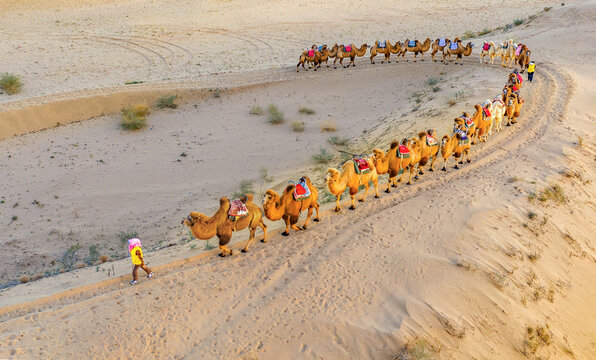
10,83
166,101
484,32
518,22
305,110
339,141
322,157
256,110
436,88
547,8
468,35
135,117
432,81
125,235
276,116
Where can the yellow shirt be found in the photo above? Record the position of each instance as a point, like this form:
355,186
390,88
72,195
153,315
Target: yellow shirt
136,260
531,68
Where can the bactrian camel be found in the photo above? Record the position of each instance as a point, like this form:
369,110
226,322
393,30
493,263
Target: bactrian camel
286,207
204,227
337,182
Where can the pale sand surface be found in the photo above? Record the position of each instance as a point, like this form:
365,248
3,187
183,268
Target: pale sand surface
356,285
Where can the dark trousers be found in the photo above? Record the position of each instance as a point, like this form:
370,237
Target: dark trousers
136,267
530,76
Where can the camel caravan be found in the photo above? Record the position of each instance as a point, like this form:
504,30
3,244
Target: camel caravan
411,156
451,51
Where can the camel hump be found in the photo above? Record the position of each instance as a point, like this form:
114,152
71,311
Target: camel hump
289,188
394,144
247,198
421,134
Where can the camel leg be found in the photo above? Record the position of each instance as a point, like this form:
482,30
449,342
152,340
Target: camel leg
468,158
264,227
224,250
371,58
353,199
308,215
366,187
387,57
445,160
316,219
334,61
250,239
432,164
353,61
337,208
376,185
412,168
388,186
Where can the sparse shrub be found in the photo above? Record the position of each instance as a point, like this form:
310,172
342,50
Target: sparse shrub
166,101
306,111
418,349
532,215
460,95
216,94
554,192
24,279
246,187
256,110
14,218
36,277
484,32
432,81
468,35
338,141
10,83
297,126
518,22
547,8
276,116
133,82
93,255
69,257
436,88
208,245
536,338
534,256
134,118
531,196
322,157
328,126
125,235
326,197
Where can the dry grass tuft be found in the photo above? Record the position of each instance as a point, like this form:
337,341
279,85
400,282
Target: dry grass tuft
453,328
297,126
417,349
24,279
276,116
328,126
452,102
463,263
10,83
498,278
536,338
135,117
306,111
338,141
166,101
554,192
580,141
256,110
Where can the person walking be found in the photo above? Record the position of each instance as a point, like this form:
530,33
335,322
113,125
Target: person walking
136,254
531,69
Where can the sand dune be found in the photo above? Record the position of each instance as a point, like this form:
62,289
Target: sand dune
463,261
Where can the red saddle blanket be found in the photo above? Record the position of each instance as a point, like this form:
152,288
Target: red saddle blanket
498,100
362,164
348,48
486,112
237,209
311,53
301,190
403,149
486,47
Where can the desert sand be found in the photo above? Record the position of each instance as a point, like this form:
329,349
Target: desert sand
463,261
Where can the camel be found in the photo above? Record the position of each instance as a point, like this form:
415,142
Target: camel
354,51
429,148
419,48
328,54
387,51
523,59
508,53
337,181
483,122
510,99
437,47
455,145
459,52
414,144
490,52
398,158
315,59
204,227
497,110
469,123
286,207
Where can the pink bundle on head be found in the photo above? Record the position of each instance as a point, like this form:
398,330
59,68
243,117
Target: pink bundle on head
132,243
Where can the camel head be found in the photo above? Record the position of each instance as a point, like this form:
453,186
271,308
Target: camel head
491,43
193,218
414,143
456,40
332,175
270,197
459,121
378,154
394,144
444,141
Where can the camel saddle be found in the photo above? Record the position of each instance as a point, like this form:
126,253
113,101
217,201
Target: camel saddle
464,141
237,210
442,42
431,141
382,44
454,46
486,46
497,99
468,121
301,190
506,46
311,53
485,112
361,166
518,50
321,48
348,48
403,152
412,43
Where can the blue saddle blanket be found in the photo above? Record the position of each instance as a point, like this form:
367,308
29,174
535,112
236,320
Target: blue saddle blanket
412,43
382,44
454,46
442,42
320,48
